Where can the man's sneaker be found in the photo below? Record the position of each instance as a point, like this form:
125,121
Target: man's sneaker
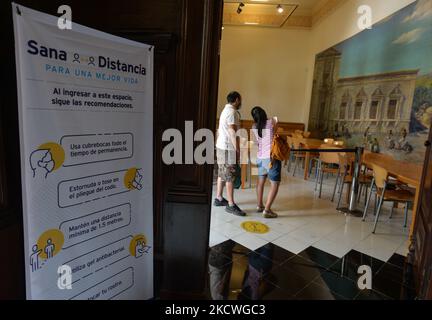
220,203
268,214
235,210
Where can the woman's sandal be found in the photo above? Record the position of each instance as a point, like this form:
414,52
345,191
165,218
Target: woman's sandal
268,214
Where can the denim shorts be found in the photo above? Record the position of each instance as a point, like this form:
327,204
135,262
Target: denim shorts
273,173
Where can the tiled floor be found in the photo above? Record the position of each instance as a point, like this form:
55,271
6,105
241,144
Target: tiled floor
311,250
305,220
273,273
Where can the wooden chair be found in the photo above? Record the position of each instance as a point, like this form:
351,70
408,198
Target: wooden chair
306,134
298,155
313,163
302,134
315,157
328,163
280,129
291,153
380,181
392,183
346,161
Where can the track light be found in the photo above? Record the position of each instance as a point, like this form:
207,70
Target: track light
280,9
239,9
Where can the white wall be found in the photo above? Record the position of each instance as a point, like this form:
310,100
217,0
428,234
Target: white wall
268,67
274,67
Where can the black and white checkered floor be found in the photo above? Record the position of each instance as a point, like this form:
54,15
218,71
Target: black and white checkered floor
311,251
273,273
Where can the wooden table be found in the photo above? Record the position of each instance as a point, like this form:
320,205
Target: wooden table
309,144
285,133
405,172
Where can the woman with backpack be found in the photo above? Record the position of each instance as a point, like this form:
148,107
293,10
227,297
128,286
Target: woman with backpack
264,130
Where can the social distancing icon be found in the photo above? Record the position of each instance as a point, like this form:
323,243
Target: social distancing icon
48,245
51,243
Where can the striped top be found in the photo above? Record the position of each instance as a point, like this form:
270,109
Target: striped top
264,143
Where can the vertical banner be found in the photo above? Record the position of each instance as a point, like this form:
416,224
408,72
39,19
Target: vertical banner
86,133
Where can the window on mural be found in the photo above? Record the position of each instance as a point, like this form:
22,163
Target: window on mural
342,112
373,110
391,111
358,110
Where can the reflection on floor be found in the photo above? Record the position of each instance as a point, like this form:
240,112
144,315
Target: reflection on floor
273,273
310,252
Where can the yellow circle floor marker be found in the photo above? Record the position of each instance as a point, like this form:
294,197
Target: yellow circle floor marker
255,227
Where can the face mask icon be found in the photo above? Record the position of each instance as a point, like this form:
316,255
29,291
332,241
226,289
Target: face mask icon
46,158
41,163
47,162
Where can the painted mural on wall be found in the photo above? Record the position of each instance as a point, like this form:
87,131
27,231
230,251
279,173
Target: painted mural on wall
375,89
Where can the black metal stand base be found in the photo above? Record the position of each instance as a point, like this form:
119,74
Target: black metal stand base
355,213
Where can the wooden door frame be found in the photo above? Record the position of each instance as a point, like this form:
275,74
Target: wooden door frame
182,194
422,280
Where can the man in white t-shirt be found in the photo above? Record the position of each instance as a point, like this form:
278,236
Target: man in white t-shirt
228,153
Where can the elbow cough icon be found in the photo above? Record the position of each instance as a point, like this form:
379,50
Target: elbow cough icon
133,179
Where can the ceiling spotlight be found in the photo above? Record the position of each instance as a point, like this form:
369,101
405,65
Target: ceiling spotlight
280,9
239,9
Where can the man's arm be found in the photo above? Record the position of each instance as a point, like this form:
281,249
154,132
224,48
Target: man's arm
233,136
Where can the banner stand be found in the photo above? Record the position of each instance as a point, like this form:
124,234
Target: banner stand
86,137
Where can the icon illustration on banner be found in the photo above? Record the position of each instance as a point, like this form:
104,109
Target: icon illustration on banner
47,158
48,245
138,246
133,178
